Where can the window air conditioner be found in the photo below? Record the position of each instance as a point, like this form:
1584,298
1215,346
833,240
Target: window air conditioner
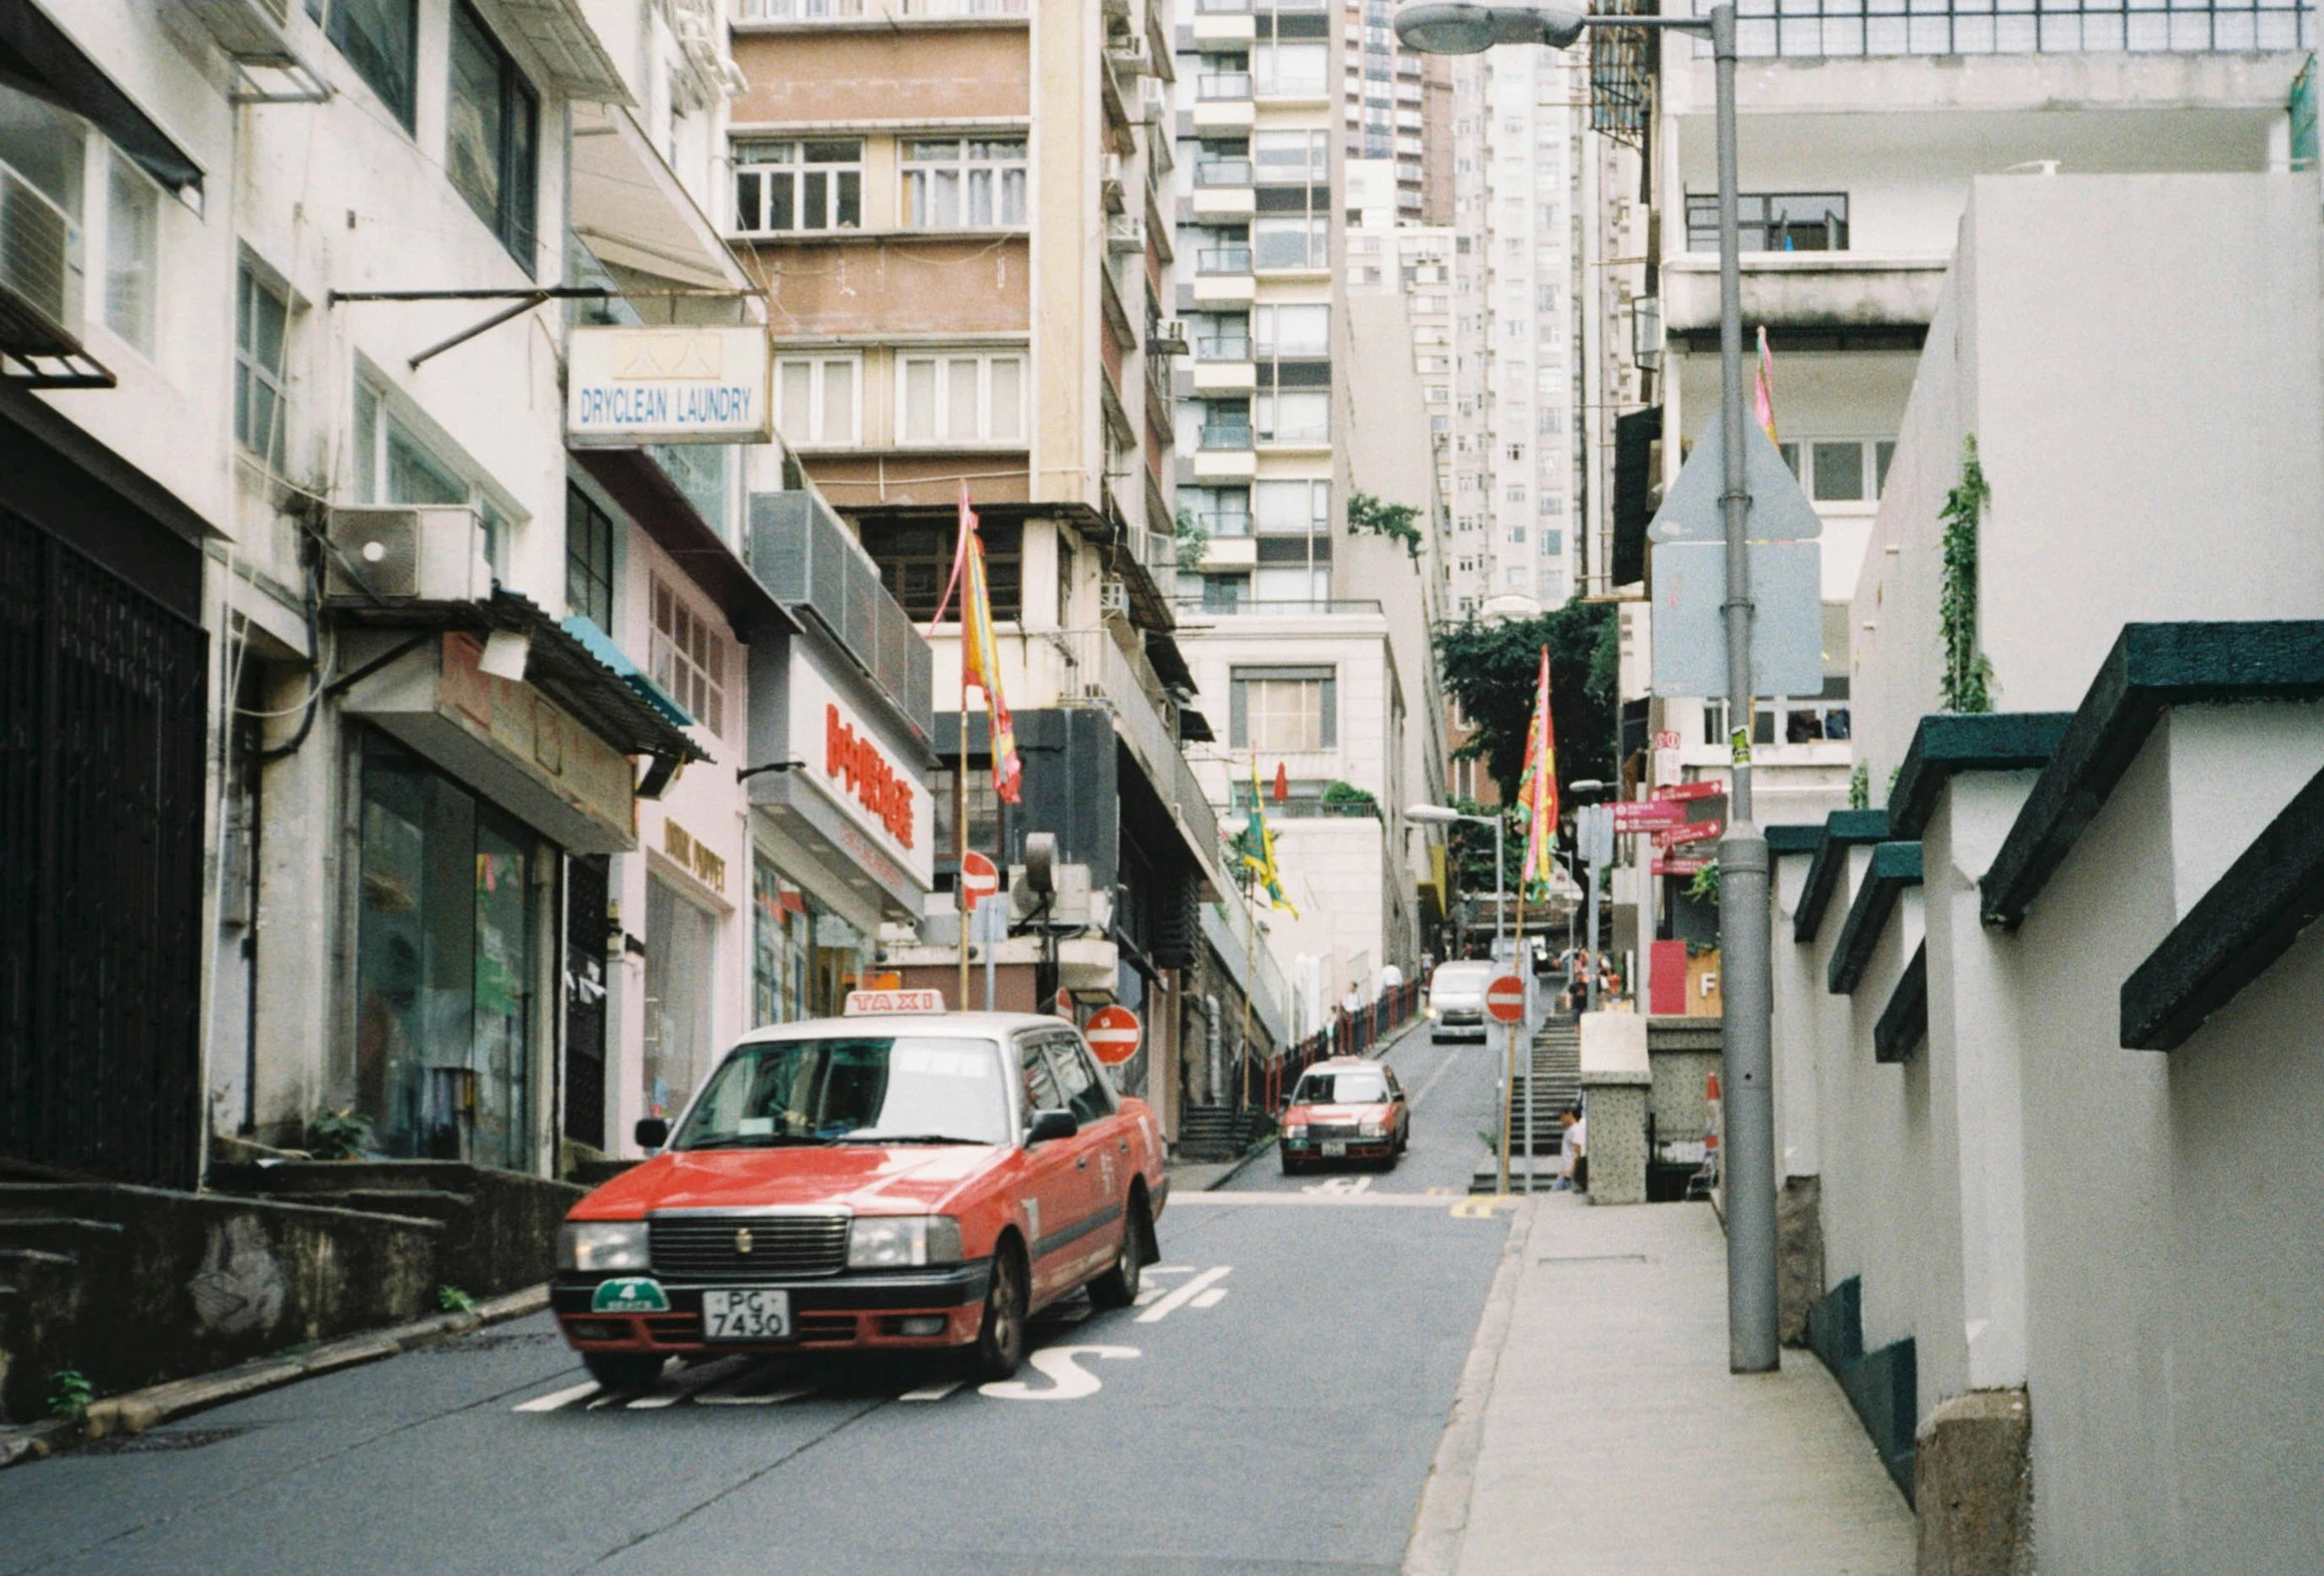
40,269
403,553
1129,56
1112,185
1168,338
1125,234
1114,599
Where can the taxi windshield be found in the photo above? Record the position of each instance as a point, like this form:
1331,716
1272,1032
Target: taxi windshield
867,1089
1341,1089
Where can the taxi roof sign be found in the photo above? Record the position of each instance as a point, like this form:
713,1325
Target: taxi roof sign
866,1004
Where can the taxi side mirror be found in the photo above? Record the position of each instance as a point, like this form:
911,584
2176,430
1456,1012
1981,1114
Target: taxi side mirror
652,1132
1048,1125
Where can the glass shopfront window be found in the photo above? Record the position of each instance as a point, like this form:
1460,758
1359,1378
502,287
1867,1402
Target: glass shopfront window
447,943
805,957
680,984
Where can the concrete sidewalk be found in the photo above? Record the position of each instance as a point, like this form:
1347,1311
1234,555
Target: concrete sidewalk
1598,1430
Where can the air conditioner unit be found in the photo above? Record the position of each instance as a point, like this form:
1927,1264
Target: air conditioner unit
406,553
1126,233
1114,599
40,270
1153,102
1129,58
1070,906
1112,185
1169,338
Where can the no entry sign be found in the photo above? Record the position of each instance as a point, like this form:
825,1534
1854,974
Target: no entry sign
1112,1034
1504,998
979,879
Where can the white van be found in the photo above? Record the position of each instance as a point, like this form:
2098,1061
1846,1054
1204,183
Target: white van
1456,999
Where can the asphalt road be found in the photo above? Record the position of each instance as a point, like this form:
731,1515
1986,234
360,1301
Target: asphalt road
1270,1408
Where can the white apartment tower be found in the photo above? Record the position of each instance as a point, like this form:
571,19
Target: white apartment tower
1516,413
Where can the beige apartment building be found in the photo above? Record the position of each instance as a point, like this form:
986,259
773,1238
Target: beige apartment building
955,208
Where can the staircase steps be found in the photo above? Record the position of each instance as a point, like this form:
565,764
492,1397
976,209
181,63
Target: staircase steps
1219,1132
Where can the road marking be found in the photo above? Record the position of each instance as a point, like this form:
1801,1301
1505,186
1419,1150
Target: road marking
1481,1207
1431,1080
1184,1295
933,1392
1169,1269
1340,1187
684,1385
1209,1298
1068,1380
558,1398
1318,1201
727,1396
1147,1294
1443,1192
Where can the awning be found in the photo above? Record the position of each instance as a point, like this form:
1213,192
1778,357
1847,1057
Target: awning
39,56
557,664
632,212
600,644
567,48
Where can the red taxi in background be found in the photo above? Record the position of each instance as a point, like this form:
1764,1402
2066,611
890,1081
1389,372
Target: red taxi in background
905,1181
1344,1107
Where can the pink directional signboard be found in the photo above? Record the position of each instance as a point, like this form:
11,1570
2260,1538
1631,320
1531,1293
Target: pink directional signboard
1636,816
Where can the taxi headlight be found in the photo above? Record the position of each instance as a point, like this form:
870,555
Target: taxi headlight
1432,1012
1296,1130
896,1242
1371,1127
602,1245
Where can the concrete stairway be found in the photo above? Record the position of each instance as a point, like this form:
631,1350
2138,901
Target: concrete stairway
1219,1132
1551,1081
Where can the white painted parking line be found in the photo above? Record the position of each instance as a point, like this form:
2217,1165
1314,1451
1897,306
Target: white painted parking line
1169,1269
1184,1295
558,1398
1209,1298
1147,1294
931,1391
1068,1381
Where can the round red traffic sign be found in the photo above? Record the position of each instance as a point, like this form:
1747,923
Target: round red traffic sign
1504,998
978,879
1113,1035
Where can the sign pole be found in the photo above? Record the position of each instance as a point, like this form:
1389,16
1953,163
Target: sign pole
1504,1003
1517,1028
960,818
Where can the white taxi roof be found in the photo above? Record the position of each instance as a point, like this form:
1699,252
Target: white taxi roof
976,1026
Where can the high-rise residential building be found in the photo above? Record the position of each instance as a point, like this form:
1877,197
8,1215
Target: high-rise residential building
1517,413
960,211
1392,108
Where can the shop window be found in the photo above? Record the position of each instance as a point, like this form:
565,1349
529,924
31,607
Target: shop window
446,941
132,251
964,398
781,188
589,560
381,40
1284,709
491,134
681,970
780,946
817,400
261,322
687,659
915,561
955,183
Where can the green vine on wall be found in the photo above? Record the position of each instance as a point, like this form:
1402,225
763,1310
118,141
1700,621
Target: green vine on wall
1967,685
1396,522
1860,788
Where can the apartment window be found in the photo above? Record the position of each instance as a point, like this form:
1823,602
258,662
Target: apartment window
262,321
1224,593
381,40
1291,243
1287,710
817,400
1551,505
1290,158
491,134
967,398
1290,509
1840,470
392,464
589,558
1222,337
1291,71
689,658
1292,417
782,187
1293,331
955,183
1217,511
132,245
1552,544
1811,222
916,562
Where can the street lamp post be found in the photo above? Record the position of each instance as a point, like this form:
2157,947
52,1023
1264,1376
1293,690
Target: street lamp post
1744,923
1440,815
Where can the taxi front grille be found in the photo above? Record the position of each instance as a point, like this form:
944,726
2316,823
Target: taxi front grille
748,1247
1332,1129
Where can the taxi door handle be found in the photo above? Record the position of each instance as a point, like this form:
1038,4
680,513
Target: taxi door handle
1080,1162
1123,1145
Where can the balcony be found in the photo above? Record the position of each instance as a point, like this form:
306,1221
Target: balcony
1867,298
1219,86
809,12
1224,260
813,566
1226,436
1090,667
1829,29
1222,173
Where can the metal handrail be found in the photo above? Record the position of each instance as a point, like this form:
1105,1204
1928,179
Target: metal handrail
1226,437
1224,85
1223,172
1223,260
1223,347
1823,29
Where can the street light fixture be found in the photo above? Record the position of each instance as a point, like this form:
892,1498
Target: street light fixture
1744,922
1444,815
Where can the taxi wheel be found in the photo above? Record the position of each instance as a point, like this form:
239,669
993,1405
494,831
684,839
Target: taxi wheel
1000,1339
1118,1287
623,1370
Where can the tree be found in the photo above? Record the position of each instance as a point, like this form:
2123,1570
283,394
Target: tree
1396,522
1490,670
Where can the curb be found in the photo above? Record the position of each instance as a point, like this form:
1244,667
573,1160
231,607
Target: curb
139,1409
1440,1524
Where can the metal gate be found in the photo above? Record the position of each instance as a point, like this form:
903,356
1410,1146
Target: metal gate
101,850
585,927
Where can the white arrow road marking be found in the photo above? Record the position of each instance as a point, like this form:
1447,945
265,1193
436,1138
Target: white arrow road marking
1147,1294
1068,1381
1184,1295
931,1391
1339,1186
726,1394
558,1398
1209,1298
684,1385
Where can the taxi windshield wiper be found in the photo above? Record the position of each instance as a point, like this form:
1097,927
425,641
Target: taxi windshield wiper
754,1141
861,1136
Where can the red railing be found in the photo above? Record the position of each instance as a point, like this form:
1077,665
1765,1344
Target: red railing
1348,1034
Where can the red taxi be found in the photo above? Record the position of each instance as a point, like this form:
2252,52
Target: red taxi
1344,1107
895,1182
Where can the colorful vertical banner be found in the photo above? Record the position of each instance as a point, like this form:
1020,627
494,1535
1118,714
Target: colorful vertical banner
980,654
1538,789
1259,848
1763,392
